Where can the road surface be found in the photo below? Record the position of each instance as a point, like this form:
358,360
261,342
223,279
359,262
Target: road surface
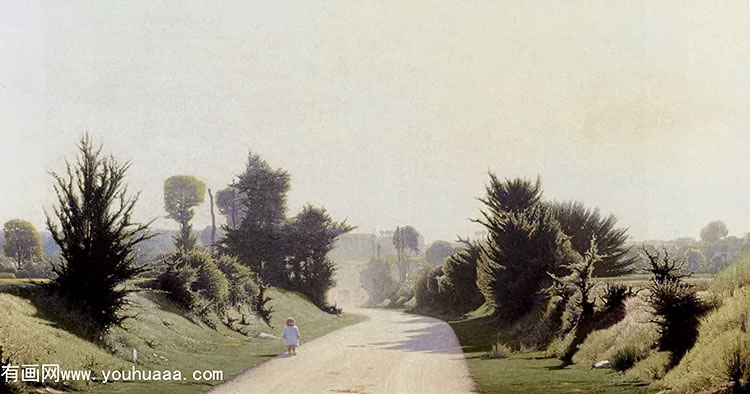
392,352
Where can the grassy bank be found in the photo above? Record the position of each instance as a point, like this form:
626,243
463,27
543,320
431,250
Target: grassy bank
528,372
166,340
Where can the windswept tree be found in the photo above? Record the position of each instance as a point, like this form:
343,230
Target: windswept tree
460,278
92,223
182,193
576,287
582,224
22,242
524,242
258,238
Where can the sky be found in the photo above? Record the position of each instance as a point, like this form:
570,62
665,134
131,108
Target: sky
390,112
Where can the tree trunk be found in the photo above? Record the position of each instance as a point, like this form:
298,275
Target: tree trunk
213,221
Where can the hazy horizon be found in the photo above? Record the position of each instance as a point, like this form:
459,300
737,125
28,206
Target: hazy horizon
390,113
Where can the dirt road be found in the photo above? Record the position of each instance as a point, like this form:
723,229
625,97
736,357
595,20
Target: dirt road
393,352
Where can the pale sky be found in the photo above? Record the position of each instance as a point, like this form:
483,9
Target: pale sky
391,113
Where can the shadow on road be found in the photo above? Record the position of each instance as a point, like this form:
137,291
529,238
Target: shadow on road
434,338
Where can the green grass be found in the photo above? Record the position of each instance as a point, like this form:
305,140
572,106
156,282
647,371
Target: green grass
529,372
165,339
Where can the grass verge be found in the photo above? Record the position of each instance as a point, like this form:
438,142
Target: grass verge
165,339
528,372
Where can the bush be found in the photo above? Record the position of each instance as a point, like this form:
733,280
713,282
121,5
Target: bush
193,280
460,279
427,288
242,287
625,358
7,275
675,304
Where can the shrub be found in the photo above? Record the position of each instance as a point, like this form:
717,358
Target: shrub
427,288
193,280
625,358
460,279
7,275
242,287
675,305
499,350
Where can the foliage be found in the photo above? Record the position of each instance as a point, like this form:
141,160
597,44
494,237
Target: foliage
521,248
509,196
582,224
242,287
378,281
258,240
22,242
438,251
461,293
675,305
311,235
406,241
625,358
406,238
227,200
576,288
733,277
714,231
427,288
181,194
96,234
193,280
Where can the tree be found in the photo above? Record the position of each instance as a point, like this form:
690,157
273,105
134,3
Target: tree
675,304
227,201
92,224
714,231
524,242
181,194
438,252
406,241
311,235
582,224
22,242
258,239
576,288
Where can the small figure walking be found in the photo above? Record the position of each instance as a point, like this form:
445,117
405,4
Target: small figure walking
291,337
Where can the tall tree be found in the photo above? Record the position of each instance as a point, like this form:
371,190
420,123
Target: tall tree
258,238
524,242
406,241
582,224
92,223
22,242
181,194
312,234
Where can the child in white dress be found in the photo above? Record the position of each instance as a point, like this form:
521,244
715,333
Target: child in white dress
291,337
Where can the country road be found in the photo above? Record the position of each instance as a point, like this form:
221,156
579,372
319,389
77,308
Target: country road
392,352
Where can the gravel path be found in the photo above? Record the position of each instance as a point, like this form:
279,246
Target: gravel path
392,352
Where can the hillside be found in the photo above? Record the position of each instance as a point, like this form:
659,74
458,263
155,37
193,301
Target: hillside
164,337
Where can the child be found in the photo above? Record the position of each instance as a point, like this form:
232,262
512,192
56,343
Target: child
291,337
